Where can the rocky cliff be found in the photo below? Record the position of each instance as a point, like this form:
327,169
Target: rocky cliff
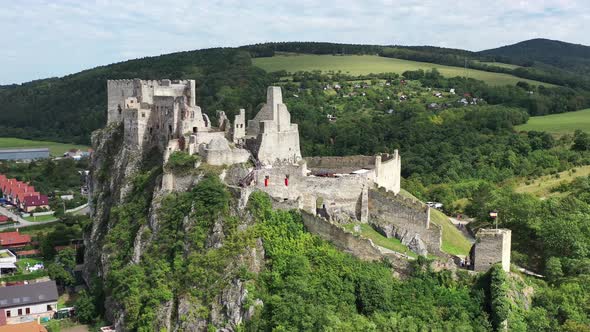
179,260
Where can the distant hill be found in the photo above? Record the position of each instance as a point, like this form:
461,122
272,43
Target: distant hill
571,57
69,108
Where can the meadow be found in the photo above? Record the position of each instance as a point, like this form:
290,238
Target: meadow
542,186
564,123
55,149
367,64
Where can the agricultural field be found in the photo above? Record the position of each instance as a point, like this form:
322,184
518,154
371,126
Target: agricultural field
497,64
367,64
55,149
559,124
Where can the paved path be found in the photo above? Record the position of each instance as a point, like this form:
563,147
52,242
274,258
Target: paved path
21,222
462,226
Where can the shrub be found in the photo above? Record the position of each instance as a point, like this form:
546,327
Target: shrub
181,161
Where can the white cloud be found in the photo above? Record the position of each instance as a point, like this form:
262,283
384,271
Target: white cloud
46,38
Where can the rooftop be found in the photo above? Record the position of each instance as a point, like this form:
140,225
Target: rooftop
40,292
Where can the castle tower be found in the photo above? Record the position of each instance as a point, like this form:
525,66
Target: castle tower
239,128
388,172
273,138
492,246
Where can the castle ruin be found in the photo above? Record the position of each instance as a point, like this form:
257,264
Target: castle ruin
364,189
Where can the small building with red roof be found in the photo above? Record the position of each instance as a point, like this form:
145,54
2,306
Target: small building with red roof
14,240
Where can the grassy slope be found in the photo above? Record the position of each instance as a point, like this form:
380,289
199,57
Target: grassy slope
55,149
366,64
389,243
497,64
542,186
453,240
563,123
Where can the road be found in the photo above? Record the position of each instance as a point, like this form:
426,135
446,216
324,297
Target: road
21,222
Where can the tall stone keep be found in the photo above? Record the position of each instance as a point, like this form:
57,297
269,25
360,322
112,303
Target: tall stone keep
273,138
492,246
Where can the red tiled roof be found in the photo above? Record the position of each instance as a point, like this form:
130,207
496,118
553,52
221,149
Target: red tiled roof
14,238
39,200
3,218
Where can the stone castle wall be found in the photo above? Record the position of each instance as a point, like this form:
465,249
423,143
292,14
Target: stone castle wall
341,196
333,164
406,220
356,245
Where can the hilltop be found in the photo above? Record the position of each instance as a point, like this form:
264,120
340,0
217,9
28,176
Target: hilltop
567,56
69,108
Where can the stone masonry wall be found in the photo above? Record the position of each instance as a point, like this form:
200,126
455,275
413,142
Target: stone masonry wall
356,245
405,219
492,246
342,196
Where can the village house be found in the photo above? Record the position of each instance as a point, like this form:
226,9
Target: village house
76,154
27,302
7,261
22,195
14,240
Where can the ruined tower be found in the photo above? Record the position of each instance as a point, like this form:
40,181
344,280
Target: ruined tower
273,138
492,246
154,112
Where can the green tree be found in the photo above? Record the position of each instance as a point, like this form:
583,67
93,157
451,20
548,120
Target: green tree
85,309
581,141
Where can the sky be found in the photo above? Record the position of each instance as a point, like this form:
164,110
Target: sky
42,38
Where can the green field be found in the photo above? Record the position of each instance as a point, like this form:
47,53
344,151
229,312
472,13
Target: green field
40,218
367,64
564,123
497,64
55,149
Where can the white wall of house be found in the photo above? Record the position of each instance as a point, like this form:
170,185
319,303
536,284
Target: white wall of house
35,309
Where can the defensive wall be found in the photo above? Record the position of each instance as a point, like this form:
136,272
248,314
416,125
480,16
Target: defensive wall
354,244
405,219
341,196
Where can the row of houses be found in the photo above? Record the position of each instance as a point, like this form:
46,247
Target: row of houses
22,195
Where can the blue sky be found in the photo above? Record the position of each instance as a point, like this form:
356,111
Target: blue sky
55,38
